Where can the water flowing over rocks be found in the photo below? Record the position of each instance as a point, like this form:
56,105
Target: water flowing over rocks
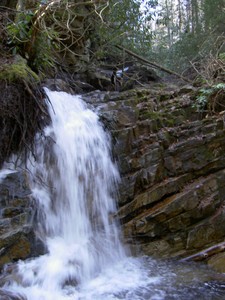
172,164
172,192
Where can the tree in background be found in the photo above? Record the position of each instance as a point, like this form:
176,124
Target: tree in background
187,33
126,23
179,34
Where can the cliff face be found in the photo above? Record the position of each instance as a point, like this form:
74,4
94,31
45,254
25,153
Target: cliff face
172,164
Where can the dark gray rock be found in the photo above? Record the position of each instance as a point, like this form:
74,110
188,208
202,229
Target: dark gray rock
17,237
172,164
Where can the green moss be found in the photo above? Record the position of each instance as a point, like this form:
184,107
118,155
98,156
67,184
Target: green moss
152,115
143,94
161,119
164,97
222,56
169,122
18,70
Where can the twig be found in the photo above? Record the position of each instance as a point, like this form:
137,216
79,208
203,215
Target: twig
31,93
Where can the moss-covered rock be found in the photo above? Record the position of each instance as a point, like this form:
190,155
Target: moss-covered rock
18,70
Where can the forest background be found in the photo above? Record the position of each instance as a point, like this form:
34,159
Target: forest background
184,36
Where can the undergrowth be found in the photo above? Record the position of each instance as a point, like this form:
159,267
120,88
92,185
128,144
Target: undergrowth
211,98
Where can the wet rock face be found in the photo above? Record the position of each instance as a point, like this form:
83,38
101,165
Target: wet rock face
17,238
172,164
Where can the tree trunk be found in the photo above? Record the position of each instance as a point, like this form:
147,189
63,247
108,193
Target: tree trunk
195,16
180,18
168,25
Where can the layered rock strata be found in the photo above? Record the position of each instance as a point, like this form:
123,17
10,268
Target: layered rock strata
172,163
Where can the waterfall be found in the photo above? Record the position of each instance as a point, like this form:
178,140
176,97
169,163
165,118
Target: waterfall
74,183
73,179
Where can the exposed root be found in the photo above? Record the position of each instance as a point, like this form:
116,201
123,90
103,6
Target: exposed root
22,114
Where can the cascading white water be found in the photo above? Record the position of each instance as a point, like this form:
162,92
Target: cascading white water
73,180
76,181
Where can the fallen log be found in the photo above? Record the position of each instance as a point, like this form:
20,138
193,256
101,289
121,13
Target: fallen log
153,64
205,254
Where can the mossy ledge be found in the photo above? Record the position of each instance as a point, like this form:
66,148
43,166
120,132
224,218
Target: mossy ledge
23,109
18,70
